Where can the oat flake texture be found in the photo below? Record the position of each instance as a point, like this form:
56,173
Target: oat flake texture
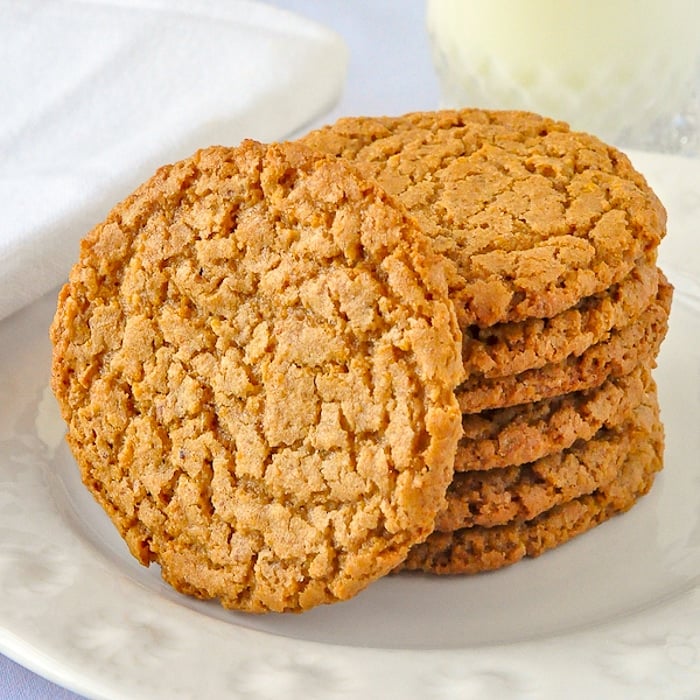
256,358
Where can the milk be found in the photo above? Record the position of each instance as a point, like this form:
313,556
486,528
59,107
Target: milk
611,67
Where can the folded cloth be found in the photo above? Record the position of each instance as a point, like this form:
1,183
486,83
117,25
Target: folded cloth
96,94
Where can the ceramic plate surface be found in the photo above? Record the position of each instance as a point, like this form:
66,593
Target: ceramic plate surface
615,613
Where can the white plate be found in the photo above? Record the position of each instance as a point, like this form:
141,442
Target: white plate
614,613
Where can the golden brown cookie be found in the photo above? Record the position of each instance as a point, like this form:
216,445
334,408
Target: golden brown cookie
533,216
530,431
626,348
511,348
477,549
497,496
256,356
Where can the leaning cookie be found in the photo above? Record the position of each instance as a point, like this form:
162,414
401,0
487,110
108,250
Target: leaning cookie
256,357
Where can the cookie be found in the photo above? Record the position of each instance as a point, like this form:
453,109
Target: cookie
497,496
511,348
478,549
533,216
527,432
627,348
256,356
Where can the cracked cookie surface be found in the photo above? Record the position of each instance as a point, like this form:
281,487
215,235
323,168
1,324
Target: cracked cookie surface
256,356
533,216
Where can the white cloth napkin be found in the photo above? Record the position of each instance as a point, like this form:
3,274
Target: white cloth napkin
96,94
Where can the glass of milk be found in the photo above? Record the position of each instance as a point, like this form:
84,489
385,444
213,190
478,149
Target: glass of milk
625,70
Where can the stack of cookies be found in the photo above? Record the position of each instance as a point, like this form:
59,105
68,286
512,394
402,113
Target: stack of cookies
256,356
420,343
552,239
